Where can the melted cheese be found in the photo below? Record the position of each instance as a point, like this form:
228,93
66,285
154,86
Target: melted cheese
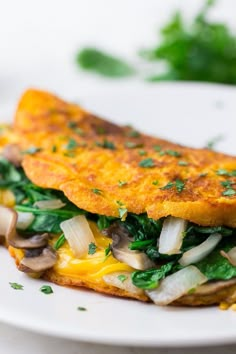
90,267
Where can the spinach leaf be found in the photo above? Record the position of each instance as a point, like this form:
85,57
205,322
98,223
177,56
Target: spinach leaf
102,63
149,279
216,267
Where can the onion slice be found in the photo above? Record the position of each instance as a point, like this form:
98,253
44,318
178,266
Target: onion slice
171,236
231,256
24,220
78,234
49,204
199,252
122,280
176,285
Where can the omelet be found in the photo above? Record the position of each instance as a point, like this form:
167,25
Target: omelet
159,178
114,171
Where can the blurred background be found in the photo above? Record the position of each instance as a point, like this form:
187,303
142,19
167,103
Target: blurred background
40,42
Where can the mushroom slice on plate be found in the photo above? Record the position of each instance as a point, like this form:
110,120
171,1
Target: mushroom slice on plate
39,263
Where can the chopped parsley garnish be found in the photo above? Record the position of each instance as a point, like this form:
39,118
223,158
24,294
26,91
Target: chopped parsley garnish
59,242
31,150
106,144
54,148
72,144
223,172
92,248
203,174
96,191
108,250
142,152
229,192
121,183
155,183
100,130
132,145
147,163
169,185
178,184
173,153
157,148
80,308
16,286
79,131
122,277
72,125
227,184
133,134
182,163
46,289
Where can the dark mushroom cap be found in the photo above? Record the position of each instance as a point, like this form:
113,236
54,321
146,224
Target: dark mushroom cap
120,248
36,264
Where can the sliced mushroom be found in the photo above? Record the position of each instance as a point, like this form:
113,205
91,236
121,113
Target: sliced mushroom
120,248
35,241
214,286
46,260
8,221
12,153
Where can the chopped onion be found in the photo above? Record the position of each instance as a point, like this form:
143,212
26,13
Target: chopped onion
176,285
171,236
231,256
24,220
199,252
49,204
78,234
124,283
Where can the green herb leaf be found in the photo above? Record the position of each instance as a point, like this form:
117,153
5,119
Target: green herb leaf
173,153
122,277
16,286
46,289
229,192
147,163
60,242
106,144
169,185
102,63
72,144
155,183
80,308
121,183
31,150
142,152
132,145
149,279
182,163
92,248
96,191
133,133
108,250
179,185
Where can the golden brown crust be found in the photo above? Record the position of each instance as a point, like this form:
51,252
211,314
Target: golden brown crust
99,286
42,120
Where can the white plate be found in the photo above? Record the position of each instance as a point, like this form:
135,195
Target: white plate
186,113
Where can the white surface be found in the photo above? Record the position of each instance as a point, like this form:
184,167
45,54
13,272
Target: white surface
38,42
193,118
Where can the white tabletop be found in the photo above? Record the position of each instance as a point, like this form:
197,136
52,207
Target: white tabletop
38,42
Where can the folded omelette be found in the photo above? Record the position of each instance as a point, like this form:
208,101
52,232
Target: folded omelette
88,203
